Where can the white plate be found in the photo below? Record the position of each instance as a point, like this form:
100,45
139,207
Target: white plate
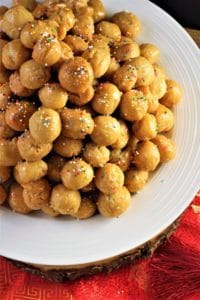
41,240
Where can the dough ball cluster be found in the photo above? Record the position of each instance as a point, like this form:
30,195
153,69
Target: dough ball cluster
84,109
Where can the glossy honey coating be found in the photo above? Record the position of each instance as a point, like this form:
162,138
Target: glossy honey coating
96,156
16,199
25,172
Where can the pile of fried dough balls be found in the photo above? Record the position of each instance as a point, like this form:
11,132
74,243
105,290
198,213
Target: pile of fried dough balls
84,109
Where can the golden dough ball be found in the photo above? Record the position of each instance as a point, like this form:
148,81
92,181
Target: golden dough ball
48,210
77,123
96,156
18,114
114,205
133,143
133,106
67,147
52,95
76,75
135,180
98,55
25,172
159,71
32,32
64,201
145,71
76,174
39,11
5,131
76,43
14,20
28,4
164,118
147,156
16,86
3,195
166,147
106,130
113,67
14,54
5,173
106,99
173,94
75,5
30,150
5,95
97,37
150,52
64,17
9,154
158,87
125,50
109,179
128,23
55,166
45,125
36,194
33,75
109,29
152,100
121,158
86,210
145,129
89,188
4,76
16,200
123,137
125,77
3,43
84,26
66,53
82,98
99,10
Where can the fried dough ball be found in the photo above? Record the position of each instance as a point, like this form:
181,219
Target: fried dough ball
14,20
135,180
150,52
40,11
66,53
48,210
123,137
64,17
125,77
28,4
145,129
152,100
173,94
72,4
86,209
5,131
36,194
33,75
65,201
82,98
147,156
25,172
121,158
3,10
4,76
9,154
109,179
5,94
98,55
5,173
76,174
164,118
14,54
96,156
133,106
67,147
128,23
99,10
3,43
125,50
76,43
47,51
166,147
52,95
113,67
158,87
76,75
159,71
18,114
55,166
16,200
45,125
84,26
30,150
109,29
106,99
145,71
77,123
106,130
3,195
115,204
16,86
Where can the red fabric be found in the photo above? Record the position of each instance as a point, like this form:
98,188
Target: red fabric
173,272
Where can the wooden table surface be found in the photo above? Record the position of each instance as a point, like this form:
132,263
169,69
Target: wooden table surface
195,34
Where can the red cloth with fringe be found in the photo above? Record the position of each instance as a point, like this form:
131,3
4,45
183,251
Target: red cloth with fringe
173,272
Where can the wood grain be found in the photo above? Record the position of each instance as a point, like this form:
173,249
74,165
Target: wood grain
195,34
